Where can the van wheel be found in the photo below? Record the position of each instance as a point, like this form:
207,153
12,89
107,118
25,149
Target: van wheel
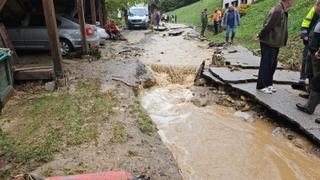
66,47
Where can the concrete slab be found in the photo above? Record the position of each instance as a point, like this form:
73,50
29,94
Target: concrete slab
283,102
242,57
160,28
251,75
175,32
209,77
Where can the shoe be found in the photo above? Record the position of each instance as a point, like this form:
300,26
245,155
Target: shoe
265,90
317,121
226,46
303,108
272,89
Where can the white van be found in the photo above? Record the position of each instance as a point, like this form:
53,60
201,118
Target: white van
138,16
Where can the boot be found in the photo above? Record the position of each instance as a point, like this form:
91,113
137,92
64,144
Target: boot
232,38
314,100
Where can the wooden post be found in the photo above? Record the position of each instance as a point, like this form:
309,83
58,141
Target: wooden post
7,42
100,12
104,12
93,12
50,15
82,22
2,3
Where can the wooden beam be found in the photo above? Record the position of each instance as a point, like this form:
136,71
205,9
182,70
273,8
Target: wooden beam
50,16
7,42
2,3
82,22
100,12
104,12
93,12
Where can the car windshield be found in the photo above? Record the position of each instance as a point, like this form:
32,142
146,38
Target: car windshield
137,12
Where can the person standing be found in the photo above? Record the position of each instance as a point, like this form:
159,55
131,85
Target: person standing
158,18
204,21
273,35
314,98
307,27
231,19
217,21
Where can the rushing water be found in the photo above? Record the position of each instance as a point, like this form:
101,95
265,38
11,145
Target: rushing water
211,143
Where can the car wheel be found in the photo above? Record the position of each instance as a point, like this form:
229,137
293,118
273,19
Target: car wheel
66,47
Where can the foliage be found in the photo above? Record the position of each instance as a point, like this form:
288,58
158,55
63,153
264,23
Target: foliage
169,5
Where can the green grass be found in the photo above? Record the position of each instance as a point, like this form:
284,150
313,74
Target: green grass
251,24
144,121
119,133
50,122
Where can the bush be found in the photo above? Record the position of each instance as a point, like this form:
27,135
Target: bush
243,8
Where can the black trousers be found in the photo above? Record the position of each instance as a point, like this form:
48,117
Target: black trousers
268,65
216,27
315,83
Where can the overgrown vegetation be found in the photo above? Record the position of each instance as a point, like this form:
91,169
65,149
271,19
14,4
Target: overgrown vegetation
144,121
50,122
251,24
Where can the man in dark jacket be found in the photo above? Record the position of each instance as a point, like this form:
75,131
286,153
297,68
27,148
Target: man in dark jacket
314,98
273,35
204,21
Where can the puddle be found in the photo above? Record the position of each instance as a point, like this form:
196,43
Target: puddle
211,143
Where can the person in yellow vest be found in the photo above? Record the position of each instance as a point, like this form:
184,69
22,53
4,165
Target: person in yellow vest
307,28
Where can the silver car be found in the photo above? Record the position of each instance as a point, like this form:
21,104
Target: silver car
32,34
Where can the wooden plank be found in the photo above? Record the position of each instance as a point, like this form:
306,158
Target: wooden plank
2,3
93,12
33,68
37,74
85,47
7,42
50,16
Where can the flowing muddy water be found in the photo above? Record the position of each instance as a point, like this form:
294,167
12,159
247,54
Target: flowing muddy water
211,143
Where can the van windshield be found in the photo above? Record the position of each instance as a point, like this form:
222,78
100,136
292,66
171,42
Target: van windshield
137,12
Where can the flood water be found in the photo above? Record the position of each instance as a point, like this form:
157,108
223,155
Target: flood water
211,143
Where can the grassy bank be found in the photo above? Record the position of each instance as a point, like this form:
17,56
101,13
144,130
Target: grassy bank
251,24
48,123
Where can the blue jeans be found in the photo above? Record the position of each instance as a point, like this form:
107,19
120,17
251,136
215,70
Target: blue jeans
233,31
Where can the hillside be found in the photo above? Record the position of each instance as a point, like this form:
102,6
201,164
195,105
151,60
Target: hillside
251,24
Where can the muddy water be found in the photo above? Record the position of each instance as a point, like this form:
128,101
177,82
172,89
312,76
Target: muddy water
211,143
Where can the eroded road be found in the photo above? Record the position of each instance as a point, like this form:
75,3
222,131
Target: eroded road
210,142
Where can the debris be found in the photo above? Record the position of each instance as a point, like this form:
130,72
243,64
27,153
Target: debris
244,116
50,86
233,51
175,33
278,132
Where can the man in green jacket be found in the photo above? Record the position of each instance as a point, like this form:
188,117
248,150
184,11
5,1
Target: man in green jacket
307,28
204,21
273,35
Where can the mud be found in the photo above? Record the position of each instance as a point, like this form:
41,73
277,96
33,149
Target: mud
212,135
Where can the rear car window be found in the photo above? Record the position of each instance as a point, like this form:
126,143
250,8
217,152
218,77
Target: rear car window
37,21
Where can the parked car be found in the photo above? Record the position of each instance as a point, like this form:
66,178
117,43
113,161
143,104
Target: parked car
32,34
138,16
103,35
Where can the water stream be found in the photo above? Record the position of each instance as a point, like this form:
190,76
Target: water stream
211,143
